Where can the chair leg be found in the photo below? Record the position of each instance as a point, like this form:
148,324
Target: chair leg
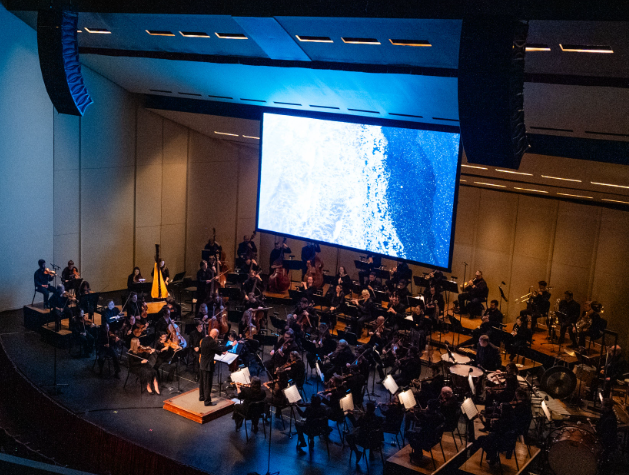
442,452
327,445
515,456
481,456
454,439
433,459
246,433
127,379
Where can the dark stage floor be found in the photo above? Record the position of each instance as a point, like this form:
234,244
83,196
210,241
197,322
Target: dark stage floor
214,447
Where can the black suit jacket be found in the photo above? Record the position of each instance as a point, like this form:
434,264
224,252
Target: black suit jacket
209,348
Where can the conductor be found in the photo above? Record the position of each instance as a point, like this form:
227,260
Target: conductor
209,348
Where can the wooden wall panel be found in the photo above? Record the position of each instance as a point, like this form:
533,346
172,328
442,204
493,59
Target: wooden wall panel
148,195
145,239
149,138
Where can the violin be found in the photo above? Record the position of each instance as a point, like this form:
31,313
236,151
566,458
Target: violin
77,274
49,272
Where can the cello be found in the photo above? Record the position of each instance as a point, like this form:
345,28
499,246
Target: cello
280,280
221,269
315,269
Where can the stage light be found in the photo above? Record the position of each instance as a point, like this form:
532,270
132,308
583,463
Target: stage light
537,47
474,166
160,33
314,39
609,184
360,41
513,172
586,48
616,201
251,137
231,36
530,189
226,133
98,31
194,34
562,179
575,196
489,184
419,43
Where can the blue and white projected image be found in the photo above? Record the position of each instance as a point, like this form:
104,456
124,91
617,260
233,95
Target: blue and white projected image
382,189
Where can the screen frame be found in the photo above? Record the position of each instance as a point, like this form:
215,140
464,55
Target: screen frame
352,119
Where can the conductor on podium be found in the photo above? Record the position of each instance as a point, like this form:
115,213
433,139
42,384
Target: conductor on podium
209,348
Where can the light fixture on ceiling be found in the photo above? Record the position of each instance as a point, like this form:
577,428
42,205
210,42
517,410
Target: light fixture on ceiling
360,41
562,179
160,33
513,172
473,166
418,43
314,39
616,201
489,184
226,133
231,36
194,34
251,137
79,31
537,47
530,189
586,48
575,196
98,31
609,184
462,180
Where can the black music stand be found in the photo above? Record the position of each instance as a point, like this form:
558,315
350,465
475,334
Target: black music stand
420,281
382,273
361,265
295,295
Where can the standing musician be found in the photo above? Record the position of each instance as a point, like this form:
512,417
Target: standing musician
308,254
105,344
205,276
589,324
277,252
194,343
538,304
59,306
247,249
69,275
366,312
248,395
164,270
209,347
42,278
569,312
373,262
344,280
134,278
475,291
487,355
213,247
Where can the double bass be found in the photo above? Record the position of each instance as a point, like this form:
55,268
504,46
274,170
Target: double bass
315,269
220,257
280,280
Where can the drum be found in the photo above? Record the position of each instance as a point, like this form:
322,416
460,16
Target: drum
585,373
496,378
573,451
460,373
459,359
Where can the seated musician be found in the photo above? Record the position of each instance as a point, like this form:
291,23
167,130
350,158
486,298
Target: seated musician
68,276
296,372
401,272
494,314
84,299
110,313
409,367
607,430
372,284
324,344
252,287
366,312
396,313
315,417
83,331
133,307
59,308
485,328
503,434
434,302
281,351
105,344
520,337
344,280
174,307
505,391
522,412
161,326
364,427
336,390
164,271
569,312
589,324
163,350
141,361
487,355
42,278
538,304
615,365
475,291
336,301
338,359
308,288
373,262
393,413
134,278
202,315
435,279
254,393
393,351
432,388
401,289
354,382
125,333
424,436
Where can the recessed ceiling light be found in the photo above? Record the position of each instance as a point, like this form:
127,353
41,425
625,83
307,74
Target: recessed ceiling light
79,31
473,166
562,179
575,196
586,48
194,34
98,31
226,133
462,180
513,172
537,47
314,39
609,184
530,189
360,41
251,137
420,43
489,184
231,36
616,201
160,33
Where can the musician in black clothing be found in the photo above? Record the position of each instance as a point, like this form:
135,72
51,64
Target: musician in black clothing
374,262
161,326
308,288
607,430
296,372
42,281
194,343
495,315
435,279
205,275
59,306
105,347
68,276
485,328
345,280
520,336
339,358
423,437
164,270
277,252
209,347
214,247
475,292
591,324
110,312
364,428
372,284
253,287
254,393
487,355
323,345
82,332
247,248
538,304
308,253
401,272
133,307
615,365
281,351
503,434
433,299
569,312
409,367
366,312
315,416
396,312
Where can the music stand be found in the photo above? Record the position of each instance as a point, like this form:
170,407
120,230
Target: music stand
361,265
420,281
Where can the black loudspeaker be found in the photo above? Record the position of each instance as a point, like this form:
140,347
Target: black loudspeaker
491,90
59,61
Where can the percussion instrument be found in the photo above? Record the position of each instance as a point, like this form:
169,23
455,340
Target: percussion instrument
558,382
585,373
460,373
496,378
459,359
573,451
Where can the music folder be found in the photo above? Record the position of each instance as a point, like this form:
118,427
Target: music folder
408,399
292,394
347,403
390,384
227,358
241,376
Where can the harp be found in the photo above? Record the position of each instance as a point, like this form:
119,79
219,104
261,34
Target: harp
159,290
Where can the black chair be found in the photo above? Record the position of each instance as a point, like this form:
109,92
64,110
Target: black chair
374,442
393,426
507,446
430,444
453,425
137,380
107,358
319,428
255,412
349,337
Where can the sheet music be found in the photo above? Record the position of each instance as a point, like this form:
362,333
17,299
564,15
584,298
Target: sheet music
546,411
408,399
469,408
227,358
240,377
390,384
292,394
470,380
319,371
347,403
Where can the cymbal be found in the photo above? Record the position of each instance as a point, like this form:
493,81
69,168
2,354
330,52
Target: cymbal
559,382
